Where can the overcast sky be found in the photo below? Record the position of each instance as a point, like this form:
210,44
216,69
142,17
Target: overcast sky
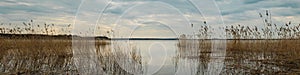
149,18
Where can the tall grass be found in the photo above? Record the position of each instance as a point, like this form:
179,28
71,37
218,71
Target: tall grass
29,56
266,49
34,28
270,49
269,30
54,56
37,53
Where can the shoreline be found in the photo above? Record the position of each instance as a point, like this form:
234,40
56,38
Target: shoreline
75,37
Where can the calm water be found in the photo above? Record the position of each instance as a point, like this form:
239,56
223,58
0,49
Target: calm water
158,57
168,57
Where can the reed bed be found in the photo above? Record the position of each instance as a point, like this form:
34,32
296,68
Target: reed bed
267,49
263,56
272,49
249,50
30,56
37,56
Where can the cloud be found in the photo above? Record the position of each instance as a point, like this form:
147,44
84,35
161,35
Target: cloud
37,9
245,11
251,1
178,14
151,29
240,6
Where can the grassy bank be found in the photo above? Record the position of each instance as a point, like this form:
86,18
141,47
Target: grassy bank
263,56
38,56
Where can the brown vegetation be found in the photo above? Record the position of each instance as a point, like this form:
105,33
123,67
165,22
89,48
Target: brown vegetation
263,56
30,56
37,56
273,49
269,49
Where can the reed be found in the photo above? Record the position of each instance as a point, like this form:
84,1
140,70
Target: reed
267,49
34,28
269,30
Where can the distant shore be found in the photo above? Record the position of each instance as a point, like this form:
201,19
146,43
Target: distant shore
43,36
69,37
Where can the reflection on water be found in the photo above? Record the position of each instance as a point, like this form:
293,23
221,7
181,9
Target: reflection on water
159,57
200,57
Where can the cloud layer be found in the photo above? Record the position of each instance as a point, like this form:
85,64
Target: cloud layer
100,16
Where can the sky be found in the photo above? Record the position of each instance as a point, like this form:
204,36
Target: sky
146,18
